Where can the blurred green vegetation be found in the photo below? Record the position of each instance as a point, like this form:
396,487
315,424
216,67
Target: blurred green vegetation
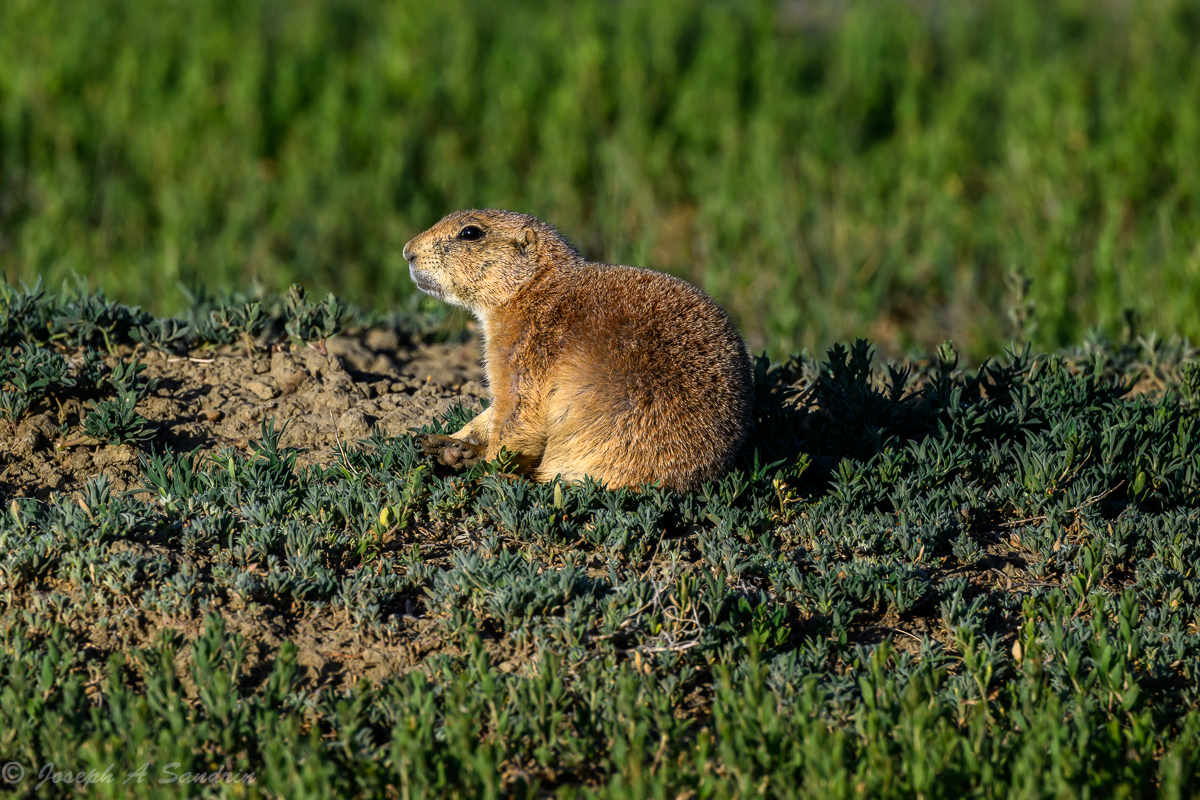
824,170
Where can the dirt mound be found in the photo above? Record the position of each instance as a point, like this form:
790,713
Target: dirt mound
211,399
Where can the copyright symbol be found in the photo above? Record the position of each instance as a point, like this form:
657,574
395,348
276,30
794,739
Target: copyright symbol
12,772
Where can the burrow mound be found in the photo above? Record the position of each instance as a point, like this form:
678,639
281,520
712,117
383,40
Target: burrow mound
324,398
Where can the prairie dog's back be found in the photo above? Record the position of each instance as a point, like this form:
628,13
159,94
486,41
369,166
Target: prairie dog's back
654,377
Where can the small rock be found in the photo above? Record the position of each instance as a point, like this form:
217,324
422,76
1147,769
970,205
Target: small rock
282,362
114,455
36,433
382,340
382,365
34,439
349,350
314,362
261,390
160,407
291,381
330,401
78,461
212,414
299,433
353,426
308,657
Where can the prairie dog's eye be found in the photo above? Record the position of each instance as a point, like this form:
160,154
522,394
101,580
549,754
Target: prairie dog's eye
471,233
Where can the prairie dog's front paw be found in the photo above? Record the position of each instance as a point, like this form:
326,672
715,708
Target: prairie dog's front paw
452,452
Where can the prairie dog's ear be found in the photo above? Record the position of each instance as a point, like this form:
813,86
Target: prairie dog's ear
526,240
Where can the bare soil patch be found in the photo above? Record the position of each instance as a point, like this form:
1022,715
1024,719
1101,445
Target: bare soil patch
210,399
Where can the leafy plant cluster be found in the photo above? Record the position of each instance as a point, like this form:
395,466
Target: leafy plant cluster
80,318
31,375
921,579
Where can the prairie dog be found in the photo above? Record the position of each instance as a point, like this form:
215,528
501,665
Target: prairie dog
625,374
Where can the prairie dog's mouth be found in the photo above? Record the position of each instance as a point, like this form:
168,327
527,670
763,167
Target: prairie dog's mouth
425,283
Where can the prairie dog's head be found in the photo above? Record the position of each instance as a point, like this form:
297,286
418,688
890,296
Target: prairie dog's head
479,259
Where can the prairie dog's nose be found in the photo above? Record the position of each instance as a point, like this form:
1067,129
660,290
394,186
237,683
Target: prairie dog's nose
408,253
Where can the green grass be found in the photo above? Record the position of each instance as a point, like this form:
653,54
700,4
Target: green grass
921,581
824,171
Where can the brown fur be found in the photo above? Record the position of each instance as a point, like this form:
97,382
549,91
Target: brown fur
625,374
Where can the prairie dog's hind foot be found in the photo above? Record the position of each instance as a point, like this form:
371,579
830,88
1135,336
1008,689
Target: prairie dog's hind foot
456,453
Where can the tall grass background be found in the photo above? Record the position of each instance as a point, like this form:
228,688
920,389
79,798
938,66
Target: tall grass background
825,170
